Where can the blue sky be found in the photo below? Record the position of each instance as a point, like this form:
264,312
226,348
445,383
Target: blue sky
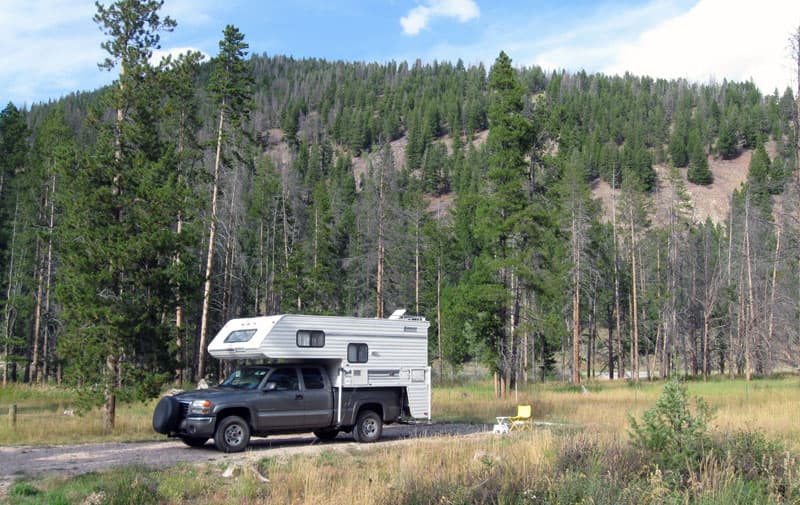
50,48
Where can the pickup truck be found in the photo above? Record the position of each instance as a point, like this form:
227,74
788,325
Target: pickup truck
262,400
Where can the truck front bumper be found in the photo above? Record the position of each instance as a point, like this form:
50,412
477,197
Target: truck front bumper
197,426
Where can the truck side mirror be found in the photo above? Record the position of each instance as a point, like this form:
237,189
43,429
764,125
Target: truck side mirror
271,386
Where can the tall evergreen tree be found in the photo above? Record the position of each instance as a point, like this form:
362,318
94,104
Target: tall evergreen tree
698,172
119,207
54,152
180,128
230,88
728,143
504,201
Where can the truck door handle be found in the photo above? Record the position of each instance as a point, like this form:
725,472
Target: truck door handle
298,397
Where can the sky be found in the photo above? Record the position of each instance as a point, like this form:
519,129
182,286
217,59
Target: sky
50,48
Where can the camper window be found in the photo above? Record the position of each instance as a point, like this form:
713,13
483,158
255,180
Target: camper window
239,336
357,353
308,338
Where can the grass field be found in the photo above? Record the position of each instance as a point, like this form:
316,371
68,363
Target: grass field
591,460
763,405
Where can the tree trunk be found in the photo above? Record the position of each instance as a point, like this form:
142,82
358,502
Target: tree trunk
590,351
380,247
576,302
9,310
750,311
48,276
620,350
770,328
109,394
731,358
635,310
576,328
439,315
212,232
180,352
230,253
37,313
662,316
610,347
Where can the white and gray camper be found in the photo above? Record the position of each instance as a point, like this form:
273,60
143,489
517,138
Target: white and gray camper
357,352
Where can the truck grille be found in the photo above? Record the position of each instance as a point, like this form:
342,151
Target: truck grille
184,410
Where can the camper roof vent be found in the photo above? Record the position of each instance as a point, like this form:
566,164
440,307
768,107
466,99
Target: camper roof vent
401,314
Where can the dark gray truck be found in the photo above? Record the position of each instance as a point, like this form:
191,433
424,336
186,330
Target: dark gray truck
262,400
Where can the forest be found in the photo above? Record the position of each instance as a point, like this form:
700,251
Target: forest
137,218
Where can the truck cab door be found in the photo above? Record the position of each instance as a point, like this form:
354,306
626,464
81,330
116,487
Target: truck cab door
318,398
281,403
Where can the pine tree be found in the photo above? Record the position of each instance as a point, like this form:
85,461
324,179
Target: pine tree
54,151
698,172
230,88
727,143
180,128
119,206
758,177
678,144
498,213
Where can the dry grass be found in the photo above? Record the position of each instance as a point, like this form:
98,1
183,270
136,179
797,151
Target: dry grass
769,406
444,470
48,416
589,462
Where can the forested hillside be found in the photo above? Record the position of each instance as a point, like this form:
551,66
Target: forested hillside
138,218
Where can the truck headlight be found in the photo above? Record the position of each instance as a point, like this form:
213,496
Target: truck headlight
200,407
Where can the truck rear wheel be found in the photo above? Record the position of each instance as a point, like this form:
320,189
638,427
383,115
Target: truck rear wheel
232,435
368,428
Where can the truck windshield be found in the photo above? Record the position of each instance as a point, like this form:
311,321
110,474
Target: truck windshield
245,378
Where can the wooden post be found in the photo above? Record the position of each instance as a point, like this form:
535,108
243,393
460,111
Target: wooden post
12,415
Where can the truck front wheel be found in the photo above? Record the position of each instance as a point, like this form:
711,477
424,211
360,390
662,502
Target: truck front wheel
368,428
232,435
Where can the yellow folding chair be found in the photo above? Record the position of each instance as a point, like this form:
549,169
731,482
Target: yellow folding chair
523,420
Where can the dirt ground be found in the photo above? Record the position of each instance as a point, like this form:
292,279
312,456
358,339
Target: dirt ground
67,460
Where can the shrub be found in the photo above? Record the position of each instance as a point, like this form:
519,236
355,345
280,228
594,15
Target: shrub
674,432
756,459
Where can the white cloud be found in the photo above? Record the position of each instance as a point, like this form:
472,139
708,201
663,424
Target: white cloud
47,44
717,39
420,16
174,52
52,47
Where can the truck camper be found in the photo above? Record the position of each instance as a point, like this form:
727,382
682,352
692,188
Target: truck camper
325,374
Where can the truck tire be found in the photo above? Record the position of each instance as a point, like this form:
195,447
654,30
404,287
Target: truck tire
326,434
232,435
194,441
165,417
368,428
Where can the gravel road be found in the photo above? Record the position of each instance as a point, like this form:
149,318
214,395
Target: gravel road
16,462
